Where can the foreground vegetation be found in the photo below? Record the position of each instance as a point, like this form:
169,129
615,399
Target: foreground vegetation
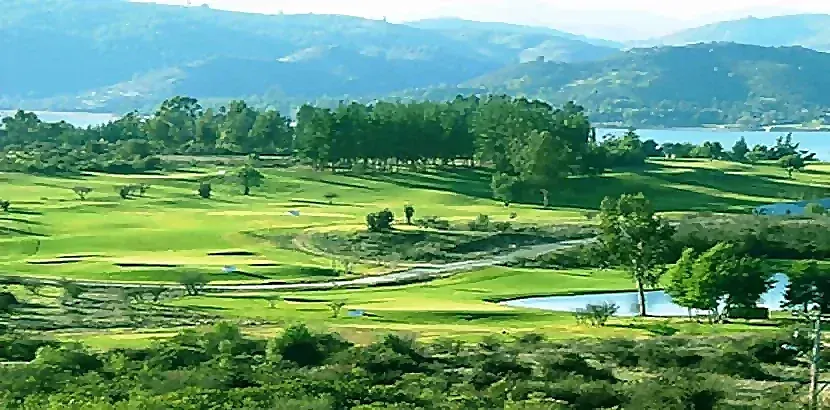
305,369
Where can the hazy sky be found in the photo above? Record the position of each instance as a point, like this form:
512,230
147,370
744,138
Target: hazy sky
623,19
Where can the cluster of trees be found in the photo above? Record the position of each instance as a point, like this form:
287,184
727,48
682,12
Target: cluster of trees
134,143
303,369
718,268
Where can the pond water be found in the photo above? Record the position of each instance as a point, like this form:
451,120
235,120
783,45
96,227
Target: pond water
818,142
658,303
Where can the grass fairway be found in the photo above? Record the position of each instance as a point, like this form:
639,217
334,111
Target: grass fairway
48,232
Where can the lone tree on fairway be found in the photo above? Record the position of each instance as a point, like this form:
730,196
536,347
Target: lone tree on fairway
249,177
409,211
636,239
193,282
4,205
792,163
82,192
125,191
336,306
205,190
331,196
504,188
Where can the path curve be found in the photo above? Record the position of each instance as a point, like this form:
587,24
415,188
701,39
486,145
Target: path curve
420,273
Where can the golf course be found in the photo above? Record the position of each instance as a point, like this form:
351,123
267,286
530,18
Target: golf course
260,253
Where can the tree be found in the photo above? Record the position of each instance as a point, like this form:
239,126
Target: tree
249,177
409,212
814,209
504,188
336,306
82,192
272,300
205,190
193,282
682,285
5,205
739,150
792,163
636,239
331,196
718,278
809,285
125,191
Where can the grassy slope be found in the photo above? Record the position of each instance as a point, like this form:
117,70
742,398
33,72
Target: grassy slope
172,226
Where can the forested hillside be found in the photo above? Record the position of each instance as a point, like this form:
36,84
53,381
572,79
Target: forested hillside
112,54
682,86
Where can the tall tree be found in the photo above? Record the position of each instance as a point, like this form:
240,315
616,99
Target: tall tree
636,239
249,177
809,285
740,149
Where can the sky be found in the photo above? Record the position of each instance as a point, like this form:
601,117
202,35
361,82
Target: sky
613,19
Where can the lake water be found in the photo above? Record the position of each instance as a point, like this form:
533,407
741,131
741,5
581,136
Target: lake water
78,119
658,303
818,142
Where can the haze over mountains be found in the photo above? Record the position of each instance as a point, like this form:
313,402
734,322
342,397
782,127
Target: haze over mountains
112,55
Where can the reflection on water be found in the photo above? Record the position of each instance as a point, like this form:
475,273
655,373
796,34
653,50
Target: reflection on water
658,303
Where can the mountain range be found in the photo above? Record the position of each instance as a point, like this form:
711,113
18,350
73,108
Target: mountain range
116,56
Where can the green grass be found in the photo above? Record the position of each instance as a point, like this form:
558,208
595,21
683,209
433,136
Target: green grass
172,231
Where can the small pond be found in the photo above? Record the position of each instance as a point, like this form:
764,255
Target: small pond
658,303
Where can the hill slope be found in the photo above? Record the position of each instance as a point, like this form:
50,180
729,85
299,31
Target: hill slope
693,85
117,52
808,30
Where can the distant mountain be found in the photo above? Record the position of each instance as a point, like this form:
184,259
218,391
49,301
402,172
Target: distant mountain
457,25
108,54
682,86
808,30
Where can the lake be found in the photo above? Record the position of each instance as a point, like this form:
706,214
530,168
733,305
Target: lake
658,303
78,119
818,142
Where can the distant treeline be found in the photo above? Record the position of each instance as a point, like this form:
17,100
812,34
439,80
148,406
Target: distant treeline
528,144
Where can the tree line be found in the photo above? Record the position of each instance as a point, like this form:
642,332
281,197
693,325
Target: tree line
304,369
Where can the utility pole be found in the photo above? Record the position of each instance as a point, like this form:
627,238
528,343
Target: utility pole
815,360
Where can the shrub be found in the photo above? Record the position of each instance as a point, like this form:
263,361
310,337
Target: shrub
596,315
82,191
4,205
814,209
7,302
481,223
205,190
125,191
433,222
380,221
